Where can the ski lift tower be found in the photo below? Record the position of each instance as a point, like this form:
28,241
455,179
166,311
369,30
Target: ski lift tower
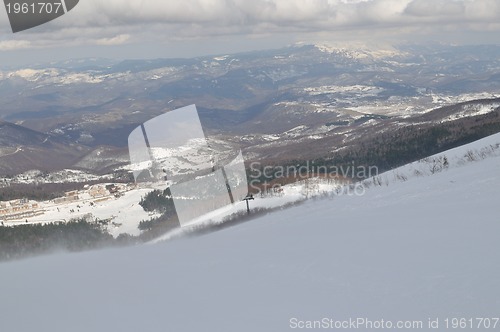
249,197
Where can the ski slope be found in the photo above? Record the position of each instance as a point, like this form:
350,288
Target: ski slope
421,248
124,212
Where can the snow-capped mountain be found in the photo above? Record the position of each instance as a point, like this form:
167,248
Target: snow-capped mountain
361,51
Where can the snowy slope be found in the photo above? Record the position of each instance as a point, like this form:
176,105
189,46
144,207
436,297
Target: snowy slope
417,249
123,213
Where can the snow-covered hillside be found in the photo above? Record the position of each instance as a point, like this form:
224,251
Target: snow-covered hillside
418,247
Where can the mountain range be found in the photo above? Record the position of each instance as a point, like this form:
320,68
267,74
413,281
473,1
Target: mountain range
301,102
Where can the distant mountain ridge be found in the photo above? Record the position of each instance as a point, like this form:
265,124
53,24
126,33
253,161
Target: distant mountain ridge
23,149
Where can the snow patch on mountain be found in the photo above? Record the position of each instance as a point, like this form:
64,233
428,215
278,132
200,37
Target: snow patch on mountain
469,110
63,176
360,51
364,90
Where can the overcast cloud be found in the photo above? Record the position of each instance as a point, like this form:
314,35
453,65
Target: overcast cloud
111,23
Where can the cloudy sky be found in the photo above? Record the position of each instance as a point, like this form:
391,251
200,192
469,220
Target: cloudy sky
173,28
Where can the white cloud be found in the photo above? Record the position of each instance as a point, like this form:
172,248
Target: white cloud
9,45
436,8
284,13
117,40
114,22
